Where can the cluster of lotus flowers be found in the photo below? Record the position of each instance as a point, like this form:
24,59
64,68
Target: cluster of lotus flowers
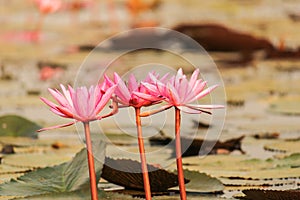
85,104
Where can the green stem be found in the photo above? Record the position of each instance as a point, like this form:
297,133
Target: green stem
93,182
142,155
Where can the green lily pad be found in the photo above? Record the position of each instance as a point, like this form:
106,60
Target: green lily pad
13,125
202,183
68,176
78,195
35,160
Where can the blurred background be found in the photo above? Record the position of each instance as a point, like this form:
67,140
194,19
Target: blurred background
254,43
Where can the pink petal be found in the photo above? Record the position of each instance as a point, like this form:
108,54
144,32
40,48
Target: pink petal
67,94
132,83
162,89
173,95
121,91
66,112
164,78
163,108
204,92
189,110
196,106
54,127
57,112
105,98
108,81
146,97
79,102
196,89
194,77
58,97
151,77
49,103
184,89
152,89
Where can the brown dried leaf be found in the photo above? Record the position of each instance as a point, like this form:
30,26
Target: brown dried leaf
127,173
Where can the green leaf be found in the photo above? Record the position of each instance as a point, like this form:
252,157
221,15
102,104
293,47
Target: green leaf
77,195
68,176
13,125
202,183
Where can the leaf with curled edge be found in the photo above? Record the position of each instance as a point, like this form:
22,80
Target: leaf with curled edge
68,176
127,173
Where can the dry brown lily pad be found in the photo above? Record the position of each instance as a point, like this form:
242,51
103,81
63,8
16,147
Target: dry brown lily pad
123,172
257,194
192,146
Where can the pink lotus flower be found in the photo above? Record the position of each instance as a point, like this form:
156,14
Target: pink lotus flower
81,104
180,92
48,6
126,95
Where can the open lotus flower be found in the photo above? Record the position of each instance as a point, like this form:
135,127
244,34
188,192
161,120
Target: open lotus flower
126,94
81,104
180,92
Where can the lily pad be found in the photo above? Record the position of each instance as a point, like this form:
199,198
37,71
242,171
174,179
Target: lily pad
257,194
13,125
287,106
202,183
68,176
77,195
35,160
283,146
125,172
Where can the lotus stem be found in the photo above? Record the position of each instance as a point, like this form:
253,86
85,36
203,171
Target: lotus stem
93,183
142,155
178,155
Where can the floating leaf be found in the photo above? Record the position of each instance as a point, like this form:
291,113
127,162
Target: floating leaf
283,146
257,194
68,176
287,106
189,197
202,183
193,147
127,173
78,195
13,125
35,160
